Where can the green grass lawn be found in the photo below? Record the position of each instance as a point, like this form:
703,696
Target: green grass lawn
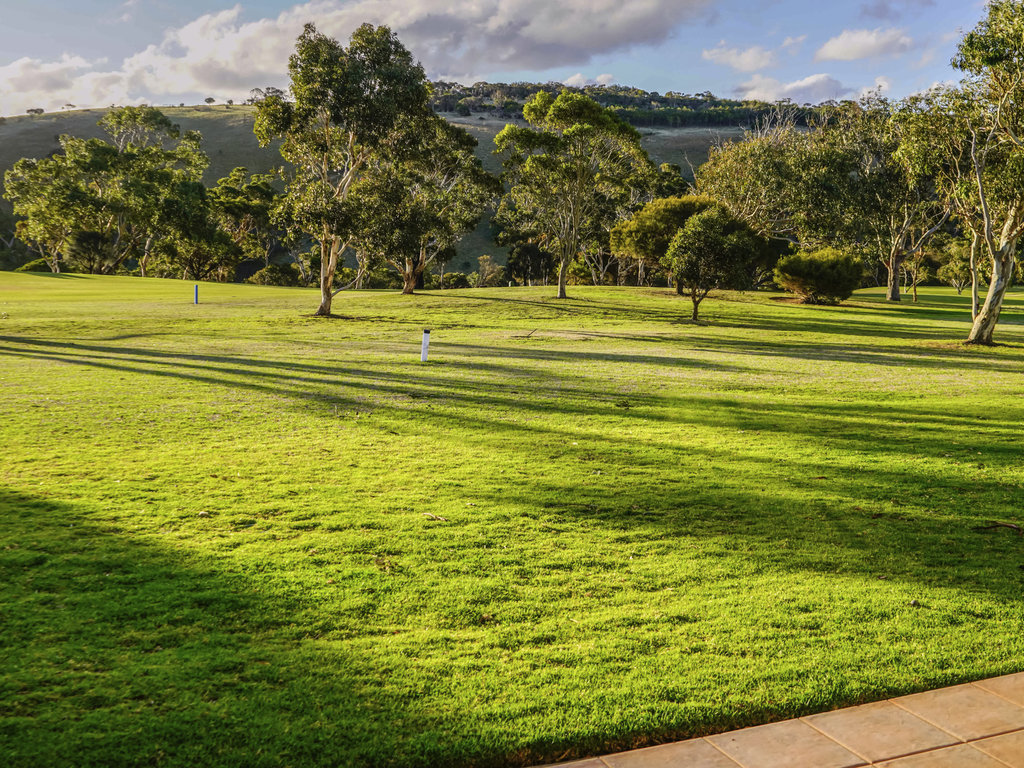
233,534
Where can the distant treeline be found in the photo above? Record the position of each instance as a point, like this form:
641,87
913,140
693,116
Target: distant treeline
638,107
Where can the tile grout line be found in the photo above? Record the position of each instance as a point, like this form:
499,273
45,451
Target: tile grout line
993,757
994,693
867,760
925,719
725,754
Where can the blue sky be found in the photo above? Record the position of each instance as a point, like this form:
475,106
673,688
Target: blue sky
99,52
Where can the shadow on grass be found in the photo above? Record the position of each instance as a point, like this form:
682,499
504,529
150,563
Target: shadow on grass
902,506
118,652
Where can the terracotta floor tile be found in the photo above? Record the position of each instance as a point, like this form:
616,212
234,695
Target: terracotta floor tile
1008,686
960,756
1008,748
880,731
685,754
789,744
966,711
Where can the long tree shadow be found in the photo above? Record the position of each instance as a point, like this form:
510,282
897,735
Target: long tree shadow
117,651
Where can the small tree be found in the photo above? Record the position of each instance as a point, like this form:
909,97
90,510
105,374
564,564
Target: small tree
646,236
712,250
827,276
957,270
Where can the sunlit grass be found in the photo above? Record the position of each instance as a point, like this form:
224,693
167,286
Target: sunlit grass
233,534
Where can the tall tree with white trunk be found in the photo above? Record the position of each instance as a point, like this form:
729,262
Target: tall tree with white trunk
345,105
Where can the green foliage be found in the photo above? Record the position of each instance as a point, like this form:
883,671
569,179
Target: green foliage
276,274
647,234
713,249
489,274
244,206
455,280
100,204
570,172
968,137
36,265
139,127
414,206
529,263
347,104
826,276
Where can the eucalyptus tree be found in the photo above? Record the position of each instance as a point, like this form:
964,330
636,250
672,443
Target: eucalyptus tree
759,179
106,200
194,246
564,166
644,238
841,183
345,105
42,194
416,204
972,137
892,208
244,205
139,126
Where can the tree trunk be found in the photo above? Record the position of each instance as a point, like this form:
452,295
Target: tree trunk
409,279
328,263
563,273
1002,274
696,304
892,266
975,242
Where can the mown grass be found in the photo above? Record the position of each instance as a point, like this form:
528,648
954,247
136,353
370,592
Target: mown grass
233,534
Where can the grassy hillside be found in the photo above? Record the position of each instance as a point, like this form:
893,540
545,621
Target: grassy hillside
229,141
227,136
234,534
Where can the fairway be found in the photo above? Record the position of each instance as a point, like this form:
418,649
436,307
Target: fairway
234,534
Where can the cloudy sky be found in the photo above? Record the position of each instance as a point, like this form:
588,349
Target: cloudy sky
99,52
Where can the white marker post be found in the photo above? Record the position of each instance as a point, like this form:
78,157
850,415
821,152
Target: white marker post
426,345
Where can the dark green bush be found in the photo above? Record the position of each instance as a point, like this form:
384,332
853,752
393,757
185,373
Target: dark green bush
455,280
38,265
276,274
827,276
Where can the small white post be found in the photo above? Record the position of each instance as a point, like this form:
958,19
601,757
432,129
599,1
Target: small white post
426,345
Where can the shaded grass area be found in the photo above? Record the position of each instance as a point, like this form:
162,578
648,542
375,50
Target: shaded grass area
235,534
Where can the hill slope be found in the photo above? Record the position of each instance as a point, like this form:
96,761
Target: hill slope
229,141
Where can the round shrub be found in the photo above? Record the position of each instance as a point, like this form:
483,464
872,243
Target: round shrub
38,265
455,280
827,276
276,274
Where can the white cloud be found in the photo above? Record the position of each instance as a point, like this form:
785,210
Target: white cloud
218,54
793,45
812,89
742,60
854,44
882,86
579,80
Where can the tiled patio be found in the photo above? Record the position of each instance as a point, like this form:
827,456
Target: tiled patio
978,725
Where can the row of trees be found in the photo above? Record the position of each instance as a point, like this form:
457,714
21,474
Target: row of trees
633,105
138,199
881,179
373,172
